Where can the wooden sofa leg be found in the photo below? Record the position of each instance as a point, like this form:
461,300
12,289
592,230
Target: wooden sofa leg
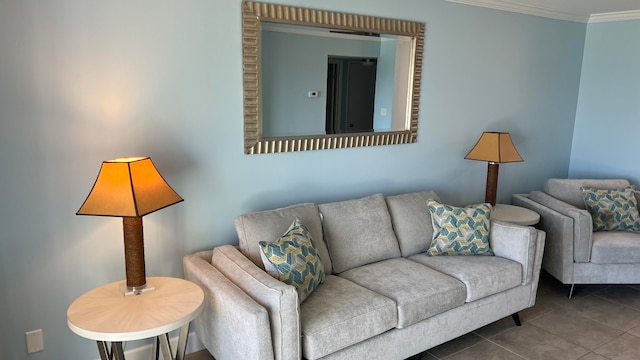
516,319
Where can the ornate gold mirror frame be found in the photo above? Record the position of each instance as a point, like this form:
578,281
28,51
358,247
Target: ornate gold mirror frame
254,12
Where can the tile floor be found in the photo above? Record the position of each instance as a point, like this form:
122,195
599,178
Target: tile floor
599,322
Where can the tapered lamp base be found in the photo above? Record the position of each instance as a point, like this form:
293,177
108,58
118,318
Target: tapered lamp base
491,192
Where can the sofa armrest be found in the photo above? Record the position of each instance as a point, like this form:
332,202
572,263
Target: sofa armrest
558,255
582,223
518,243
280,299
227,312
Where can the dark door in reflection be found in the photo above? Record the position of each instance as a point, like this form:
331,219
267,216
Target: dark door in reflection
351,84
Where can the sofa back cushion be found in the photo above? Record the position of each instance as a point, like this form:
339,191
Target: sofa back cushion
358,232
270,225
412,221
568,190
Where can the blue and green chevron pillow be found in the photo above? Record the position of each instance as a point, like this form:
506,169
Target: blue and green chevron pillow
460,230
612,210
295,259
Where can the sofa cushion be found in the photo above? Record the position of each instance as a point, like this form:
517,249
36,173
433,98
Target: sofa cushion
460,230
482,275
412,221
568,190
358,232
612,210
294,260
271,224
418,291
615,247
341,313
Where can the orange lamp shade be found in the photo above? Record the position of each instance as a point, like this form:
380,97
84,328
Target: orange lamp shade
128,187
495,147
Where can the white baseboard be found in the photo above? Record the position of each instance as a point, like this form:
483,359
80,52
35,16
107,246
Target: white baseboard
144,352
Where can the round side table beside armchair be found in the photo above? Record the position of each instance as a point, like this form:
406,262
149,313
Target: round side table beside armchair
105,314
514,214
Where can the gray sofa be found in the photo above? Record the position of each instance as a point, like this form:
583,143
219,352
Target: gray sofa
574,253
382,298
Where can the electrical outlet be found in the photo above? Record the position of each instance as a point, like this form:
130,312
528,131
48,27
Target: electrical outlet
35,341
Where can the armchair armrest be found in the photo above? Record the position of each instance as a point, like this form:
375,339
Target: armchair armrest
558,254
582,223
280,300
227,312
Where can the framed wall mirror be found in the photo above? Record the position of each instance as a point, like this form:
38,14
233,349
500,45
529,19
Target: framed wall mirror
316,79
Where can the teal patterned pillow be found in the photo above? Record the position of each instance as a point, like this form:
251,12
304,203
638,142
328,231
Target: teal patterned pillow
612,210
460,230
295,259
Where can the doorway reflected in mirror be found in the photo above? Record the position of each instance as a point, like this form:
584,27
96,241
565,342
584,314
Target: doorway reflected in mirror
351,84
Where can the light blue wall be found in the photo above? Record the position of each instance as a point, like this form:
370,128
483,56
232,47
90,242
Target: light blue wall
605,140
82,82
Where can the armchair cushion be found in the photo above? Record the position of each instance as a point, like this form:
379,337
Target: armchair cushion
612,210
615,247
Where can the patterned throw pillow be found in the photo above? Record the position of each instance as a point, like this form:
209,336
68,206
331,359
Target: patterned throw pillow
295,259
612,210
460,230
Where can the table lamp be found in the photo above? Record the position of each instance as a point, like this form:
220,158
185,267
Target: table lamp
130,188
496,148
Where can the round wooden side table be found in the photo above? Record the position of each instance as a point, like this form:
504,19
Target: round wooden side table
105,314
514,214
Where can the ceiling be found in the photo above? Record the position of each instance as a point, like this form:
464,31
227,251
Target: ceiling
572,10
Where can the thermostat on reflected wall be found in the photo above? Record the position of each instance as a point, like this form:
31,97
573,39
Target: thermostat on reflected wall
313,94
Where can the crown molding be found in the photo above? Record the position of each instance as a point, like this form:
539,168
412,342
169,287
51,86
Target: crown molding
615,16
517,7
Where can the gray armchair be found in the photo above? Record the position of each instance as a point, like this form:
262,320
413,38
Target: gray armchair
574,253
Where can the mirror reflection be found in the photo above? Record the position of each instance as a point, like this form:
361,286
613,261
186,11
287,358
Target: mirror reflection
316,79
324,81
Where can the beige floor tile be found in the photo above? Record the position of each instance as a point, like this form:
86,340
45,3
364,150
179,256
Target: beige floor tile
427,356
542,307
625,347
606,312
453,346
623,295
497,327
635,331
532,342
552,289
577,329
486,351
593,356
